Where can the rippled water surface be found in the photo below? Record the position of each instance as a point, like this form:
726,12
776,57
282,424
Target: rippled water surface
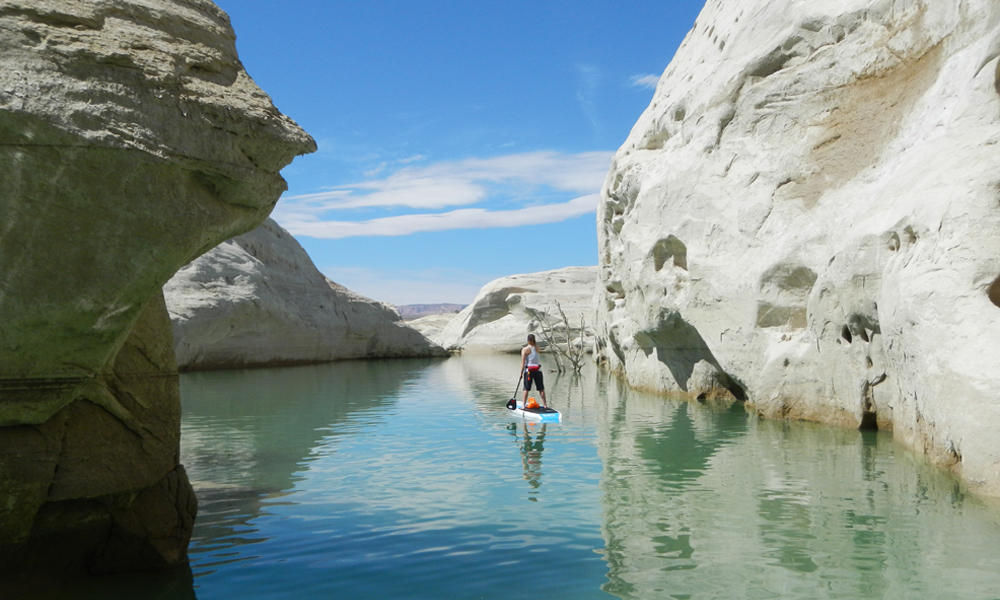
408,479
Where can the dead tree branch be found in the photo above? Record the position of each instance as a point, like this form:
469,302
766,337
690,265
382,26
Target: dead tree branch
558,334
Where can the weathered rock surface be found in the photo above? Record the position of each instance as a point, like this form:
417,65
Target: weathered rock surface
97,488
411,312
432,325
258,300
509,308
131,133
132,141
808,215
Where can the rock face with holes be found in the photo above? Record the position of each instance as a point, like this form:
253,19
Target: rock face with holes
508,309
133,141
807,216
257,300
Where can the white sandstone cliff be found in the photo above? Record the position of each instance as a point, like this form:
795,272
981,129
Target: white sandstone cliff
258,300
509,308
432,325
132,141
808,216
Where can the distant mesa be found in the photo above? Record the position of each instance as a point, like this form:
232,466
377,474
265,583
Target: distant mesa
257,300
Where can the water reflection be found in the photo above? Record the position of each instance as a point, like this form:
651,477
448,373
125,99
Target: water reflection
247,436
532,446
489,380
701,502
672,449
419,491
409,479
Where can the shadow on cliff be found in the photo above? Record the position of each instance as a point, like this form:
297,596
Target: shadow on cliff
680,347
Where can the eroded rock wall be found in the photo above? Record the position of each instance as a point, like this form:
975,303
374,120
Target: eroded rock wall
257,300
131,141
98,487
806,216
508,309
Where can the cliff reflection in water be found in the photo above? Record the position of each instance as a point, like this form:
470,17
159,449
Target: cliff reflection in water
712,502
409,478
248,435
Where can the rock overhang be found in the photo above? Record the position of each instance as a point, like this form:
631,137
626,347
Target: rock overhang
133,141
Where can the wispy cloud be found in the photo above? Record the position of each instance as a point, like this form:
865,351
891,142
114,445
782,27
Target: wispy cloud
382,166
464,218
511,187
645,81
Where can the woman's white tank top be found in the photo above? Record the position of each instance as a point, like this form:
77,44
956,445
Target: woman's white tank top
533,358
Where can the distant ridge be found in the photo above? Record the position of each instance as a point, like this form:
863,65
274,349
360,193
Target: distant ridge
415,311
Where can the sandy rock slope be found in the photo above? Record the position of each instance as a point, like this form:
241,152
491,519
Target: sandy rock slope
258,300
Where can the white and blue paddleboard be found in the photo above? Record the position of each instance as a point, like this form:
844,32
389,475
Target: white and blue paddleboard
540,414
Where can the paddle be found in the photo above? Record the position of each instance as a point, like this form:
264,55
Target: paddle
512,403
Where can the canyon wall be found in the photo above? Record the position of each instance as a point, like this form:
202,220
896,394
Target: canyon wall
132,141
506,310
258,300
807,217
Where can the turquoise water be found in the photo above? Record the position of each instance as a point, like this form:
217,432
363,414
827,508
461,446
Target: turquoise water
408,479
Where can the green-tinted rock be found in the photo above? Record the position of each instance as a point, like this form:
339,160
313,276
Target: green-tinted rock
131,141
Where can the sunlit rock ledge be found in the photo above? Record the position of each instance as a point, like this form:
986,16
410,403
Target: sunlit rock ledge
257,300
432,325
807,215
132,141
509,308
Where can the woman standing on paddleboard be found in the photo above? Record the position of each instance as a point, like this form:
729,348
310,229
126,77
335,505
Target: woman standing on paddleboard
531,366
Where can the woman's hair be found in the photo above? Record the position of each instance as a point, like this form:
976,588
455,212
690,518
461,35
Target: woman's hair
531,339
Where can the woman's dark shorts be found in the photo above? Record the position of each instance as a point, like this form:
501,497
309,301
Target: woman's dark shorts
534,377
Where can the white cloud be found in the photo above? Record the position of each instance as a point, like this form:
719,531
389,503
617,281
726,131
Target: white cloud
402,189
463,182
382,166
516,179
465,218
645,81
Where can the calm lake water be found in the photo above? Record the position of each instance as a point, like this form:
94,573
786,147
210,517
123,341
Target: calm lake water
408,479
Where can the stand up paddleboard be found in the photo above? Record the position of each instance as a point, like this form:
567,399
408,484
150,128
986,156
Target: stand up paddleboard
540,414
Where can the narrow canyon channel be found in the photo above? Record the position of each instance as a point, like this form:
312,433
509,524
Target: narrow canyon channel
408,479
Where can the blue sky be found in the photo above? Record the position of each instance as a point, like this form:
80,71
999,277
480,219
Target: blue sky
458,141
